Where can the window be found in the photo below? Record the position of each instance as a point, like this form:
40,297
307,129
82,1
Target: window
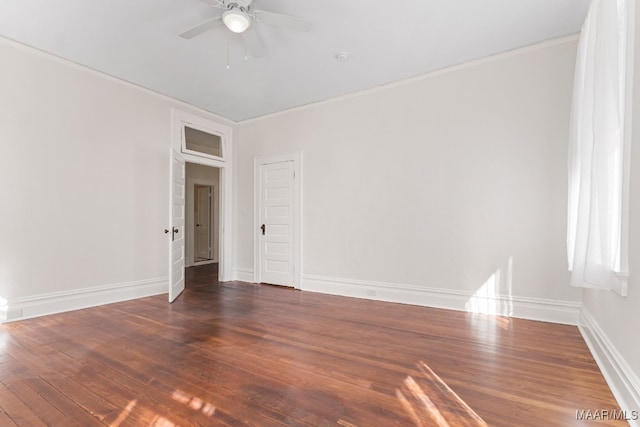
202,143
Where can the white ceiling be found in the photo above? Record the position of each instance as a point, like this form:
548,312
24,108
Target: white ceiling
137,40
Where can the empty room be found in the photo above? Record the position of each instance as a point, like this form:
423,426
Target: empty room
319,213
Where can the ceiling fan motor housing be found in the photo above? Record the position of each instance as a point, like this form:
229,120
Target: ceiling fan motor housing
242,5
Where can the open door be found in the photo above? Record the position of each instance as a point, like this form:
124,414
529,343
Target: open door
176,247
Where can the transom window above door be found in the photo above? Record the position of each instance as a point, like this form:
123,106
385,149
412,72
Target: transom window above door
202,143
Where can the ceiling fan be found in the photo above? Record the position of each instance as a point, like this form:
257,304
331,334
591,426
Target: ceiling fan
239,15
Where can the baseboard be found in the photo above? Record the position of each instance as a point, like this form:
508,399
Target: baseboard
58,302
623,382
564,312
197,263
243,274
191,263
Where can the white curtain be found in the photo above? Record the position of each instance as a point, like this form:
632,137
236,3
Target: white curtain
599,149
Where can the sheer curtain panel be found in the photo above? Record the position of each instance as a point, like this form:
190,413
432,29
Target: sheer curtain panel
599,148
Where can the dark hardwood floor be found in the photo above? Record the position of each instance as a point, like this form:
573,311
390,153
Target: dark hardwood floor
241,354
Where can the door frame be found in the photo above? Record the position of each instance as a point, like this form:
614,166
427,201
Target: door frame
215,219
258,161
180,119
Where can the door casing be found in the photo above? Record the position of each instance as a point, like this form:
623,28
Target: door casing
180,119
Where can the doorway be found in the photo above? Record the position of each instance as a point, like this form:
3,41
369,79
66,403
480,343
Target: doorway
203,222
196,140
202,214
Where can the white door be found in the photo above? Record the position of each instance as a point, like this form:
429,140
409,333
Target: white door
203,223
176,247
276,222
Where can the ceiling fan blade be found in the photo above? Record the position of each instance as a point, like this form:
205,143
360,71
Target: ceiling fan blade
204,27
280,20
253,43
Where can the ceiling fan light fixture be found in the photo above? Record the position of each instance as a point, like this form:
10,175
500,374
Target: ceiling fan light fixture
236,20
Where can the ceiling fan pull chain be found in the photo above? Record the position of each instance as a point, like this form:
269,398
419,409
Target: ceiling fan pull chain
228,65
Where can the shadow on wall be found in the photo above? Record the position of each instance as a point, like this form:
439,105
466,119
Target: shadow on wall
495,295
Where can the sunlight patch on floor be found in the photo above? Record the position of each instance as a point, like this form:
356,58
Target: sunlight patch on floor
504,323
194,403
124,414
429,401
159,421
425,408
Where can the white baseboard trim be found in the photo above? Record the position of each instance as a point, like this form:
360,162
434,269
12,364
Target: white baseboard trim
564,312
243,274
58,302
188,263
623,382
197,263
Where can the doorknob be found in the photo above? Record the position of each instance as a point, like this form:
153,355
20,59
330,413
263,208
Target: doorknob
263,228
174,232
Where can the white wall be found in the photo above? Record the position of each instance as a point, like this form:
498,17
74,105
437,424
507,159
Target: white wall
616,317
206,175
84,179
447,182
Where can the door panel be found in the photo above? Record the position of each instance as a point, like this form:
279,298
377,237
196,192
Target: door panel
176,251
276,209
203,222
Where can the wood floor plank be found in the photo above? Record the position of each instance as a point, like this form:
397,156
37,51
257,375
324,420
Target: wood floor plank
61,373
52,406
252,366
62,403
5,420
23,389
142,367
108,370
159,376
236,354
16,410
